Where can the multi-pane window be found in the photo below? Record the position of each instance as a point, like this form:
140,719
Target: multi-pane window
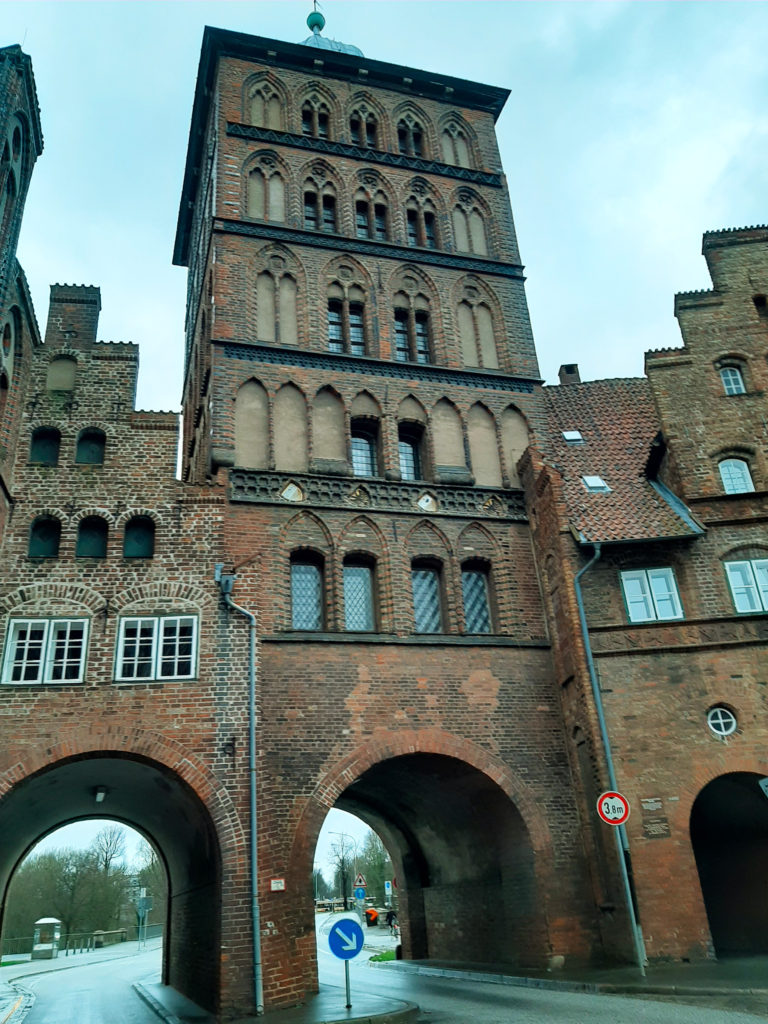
362,219
155,647
733,382
409,137
409,452
735,476
364,450
306,594
314,120
362,130
748,581
474,592
427,612
323,218
412,224
380,222
346,321
310,211
420,225
359,607
45,651
651,594
329,213
411,330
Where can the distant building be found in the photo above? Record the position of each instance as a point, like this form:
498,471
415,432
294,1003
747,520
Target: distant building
371,469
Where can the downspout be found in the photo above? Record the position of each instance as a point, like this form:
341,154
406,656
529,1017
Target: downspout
226,583
622,842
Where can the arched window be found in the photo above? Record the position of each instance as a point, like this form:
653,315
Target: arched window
139,539
421,224
733,381
478,344
412,329
44,537
363,130
91,443
44,448
359,594
426,586
475,592
410,437
92,538
276,314
266,108
365,440
469,231
455,147
735,476
307,586
319,208
315,119
61,374
346,320
266,195
410,136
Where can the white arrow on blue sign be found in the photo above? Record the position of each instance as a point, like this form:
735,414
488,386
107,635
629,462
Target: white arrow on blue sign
345,939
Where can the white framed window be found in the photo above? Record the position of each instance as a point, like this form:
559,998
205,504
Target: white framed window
156,647
736,476
595,484
748,581
45,651
721,720
651,595
733,381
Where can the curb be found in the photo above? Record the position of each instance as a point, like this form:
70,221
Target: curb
154,1005
596,987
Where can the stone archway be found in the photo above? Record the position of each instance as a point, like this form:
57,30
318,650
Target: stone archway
154,799
729,835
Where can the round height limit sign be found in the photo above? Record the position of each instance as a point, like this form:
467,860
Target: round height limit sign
613,808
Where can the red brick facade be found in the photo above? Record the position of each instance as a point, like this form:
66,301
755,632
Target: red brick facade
420,660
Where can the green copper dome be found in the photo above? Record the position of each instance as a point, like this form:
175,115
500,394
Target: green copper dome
316,22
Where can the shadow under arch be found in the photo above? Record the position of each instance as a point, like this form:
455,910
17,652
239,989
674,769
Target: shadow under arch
470,860
729,835
156,801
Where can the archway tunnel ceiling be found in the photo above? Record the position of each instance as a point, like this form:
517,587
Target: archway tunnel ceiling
451,818
138,793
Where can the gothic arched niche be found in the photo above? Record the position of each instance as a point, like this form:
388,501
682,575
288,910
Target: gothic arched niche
252,426
291,429
483,447
329,447
514,441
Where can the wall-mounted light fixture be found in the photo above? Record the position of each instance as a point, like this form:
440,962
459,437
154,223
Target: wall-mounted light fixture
100,792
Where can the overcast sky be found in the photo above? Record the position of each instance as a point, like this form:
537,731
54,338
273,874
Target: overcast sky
631,129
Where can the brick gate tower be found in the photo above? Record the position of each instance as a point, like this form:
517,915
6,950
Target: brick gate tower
361,377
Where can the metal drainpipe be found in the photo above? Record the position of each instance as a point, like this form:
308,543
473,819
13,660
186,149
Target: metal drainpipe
226,582
622,842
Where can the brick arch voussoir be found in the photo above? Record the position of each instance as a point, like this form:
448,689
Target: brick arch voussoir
89,739
96,512
31,594
175,591
726,763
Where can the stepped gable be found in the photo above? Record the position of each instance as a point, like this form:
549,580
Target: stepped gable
618,423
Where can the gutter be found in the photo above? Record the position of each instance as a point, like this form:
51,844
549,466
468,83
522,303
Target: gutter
622,841
226,583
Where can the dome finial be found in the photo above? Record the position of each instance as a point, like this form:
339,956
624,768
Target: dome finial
316,22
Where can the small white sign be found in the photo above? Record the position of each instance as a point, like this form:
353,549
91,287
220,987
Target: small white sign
277,884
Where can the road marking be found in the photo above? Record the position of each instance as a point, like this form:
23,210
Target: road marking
14,1008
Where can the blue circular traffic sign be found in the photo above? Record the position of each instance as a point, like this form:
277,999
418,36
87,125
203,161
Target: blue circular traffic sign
359,893
345,939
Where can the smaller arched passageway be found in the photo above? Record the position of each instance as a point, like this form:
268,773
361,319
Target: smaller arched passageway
729,834
156,802
463,859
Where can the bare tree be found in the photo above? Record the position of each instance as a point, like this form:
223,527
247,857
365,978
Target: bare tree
108,846
343,851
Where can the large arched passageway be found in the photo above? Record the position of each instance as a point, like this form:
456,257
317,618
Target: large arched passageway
154,800
463,858
729,833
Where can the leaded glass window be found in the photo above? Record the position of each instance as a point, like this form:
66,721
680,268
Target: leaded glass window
364,462
401,336
356,330
362,226
430,235
380,222
359,613
306,595
421,323
335,327
474,590
427,615
329,213
413,227
310,211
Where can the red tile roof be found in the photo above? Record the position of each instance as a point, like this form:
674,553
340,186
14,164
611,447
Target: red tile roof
618,422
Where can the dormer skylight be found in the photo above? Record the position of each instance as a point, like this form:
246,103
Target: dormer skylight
595,485
573,437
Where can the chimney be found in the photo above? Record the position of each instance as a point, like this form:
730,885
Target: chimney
73,315
569,373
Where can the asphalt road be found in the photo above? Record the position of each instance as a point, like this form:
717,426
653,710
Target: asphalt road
95,993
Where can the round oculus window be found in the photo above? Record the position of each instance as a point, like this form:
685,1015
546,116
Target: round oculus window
721,721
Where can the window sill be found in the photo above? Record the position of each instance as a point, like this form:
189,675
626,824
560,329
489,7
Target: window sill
409,640
155,681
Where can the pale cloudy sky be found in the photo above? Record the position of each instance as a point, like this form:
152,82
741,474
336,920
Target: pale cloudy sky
631,129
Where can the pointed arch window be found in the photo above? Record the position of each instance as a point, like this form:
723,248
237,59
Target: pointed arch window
266,108
475,592
276,308
266,195
307,583
735,476
359,594
346,320
426,586
363,130
412,330
319,207
315,120
421,225
410,137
